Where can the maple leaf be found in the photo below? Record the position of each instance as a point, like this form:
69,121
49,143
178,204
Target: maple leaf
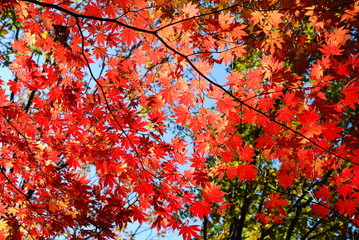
285,179
331,49
100,52
111,11
189,231
3,225
158,223
275,18
275,201
351,93
290,98
226,105
323,193
204,67
332,130
343,69
73,162
138,215
197,123
200,209
339,36
345,190
346,206
188,99
15,86
254,78
271,65
190,9
93,9
225,57
311,127
246,153
246,171
224,20
285,114
316,71
213,193
265,104
320,210
257,17
129,36
145,188
262,218
183,115
238,32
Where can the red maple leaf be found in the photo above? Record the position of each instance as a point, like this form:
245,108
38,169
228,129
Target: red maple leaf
129,36
188,99
200,209
226,104
311,126
189,231
331,49
323,193
246,171
225,57
275,201
351,93
213,193
183,115
346,206
286,179
320,210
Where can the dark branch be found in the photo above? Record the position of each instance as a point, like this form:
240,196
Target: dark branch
29,102
191,63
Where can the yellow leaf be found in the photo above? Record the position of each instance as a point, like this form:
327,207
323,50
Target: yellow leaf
3,224
72,213
12,210
45,34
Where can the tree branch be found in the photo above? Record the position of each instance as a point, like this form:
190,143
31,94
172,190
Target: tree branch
193,66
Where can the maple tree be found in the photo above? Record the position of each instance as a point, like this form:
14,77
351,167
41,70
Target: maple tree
109,117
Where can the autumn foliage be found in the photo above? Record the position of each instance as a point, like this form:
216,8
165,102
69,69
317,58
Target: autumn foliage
109,116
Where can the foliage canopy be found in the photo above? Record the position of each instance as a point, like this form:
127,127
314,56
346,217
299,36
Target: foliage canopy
110,116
